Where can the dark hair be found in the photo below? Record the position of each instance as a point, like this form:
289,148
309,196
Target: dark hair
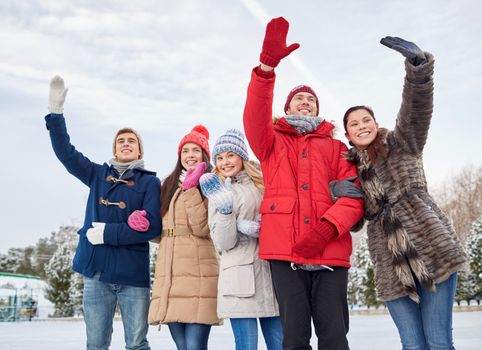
171,183
356,108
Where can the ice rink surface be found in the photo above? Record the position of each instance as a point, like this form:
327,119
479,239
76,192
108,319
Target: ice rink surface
367,332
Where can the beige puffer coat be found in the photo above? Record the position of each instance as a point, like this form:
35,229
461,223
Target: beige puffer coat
186,275
245,288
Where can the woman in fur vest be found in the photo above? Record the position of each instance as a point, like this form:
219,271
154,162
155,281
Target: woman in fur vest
186,275
245,291
415,252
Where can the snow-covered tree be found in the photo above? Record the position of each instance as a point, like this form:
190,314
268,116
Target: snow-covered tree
153,249
474,251
59,279
12,260
362,277
465,287
76,292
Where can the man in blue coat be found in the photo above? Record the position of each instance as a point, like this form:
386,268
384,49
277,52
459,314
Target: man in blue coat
121,216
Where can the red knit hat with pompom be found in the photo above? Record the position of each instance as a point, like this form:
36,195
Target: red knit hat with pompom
198,135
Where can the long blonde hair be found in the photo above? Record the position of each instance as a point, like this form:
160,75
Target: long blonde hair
253,169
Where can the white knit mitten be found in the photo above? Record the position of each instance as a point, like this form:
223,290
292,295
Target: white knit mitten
95,235
57,95
248,227
216,192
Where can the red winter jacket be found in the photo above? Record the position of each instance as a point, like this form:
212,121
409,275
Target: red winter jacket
296,170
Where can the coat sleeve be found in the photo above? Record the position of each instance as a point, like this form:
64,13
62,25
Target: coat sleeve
223,229
197,212
257,116
413,120
121,234
345,212
74,161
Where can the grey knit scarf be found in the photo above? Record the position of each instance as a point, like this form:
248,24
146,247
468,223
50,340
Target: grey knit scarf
304,124
122,167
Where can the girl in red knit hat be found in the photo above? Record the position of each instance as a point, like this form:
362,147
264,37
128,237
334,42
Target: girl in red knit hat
184,293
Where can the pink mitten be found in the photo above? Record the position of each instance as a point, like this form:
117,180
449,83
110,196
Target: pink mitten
138,221
192,176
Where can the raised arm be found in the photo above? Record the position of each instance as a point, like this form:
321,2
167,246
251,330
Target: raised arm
74,161
258,115
413,120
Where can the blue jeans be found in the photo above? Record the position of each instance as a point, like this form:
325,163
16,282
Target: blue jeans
100,300
246,333
190,336
427,325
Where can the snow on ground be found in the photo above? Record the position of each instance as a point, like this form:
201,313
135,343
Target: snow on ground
367,332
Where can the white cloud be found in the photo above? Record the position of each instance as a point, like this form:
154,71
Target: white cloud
162,67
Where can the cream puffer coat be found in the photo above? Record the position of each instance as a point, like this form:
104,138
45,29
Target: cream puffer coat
186,275
245,288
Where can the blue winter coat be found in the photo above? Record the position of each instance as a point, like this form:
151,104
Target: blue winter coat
124,256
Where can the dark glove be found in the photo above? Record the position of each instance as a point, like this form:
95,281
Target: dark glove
315,241
274,44
345,188
408,49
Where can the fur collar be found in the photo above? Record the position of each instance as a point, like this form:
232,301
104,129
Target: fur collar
376,151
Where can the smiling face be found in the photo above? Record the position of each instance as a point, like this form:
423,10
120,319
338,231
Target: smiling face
127,147
191,155
361,128
228,163
303,103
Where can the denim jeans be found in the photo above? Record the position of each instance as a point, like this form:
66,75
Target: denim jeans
427,325
246,333
190,336
100,300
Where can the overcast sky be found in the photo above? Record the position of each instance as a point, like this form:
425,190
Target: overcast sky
164,66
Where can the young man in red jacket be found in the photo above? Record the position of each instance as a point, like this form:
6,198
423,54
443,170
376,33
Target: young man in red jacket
303,233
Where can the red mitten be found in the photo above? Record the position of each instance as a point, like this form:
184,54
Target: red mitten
274,44
138,221
192,176
315,241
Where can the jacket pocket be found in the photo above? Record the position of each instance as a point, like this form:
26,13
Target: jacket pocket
242,254
277,205
237,281
277,225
